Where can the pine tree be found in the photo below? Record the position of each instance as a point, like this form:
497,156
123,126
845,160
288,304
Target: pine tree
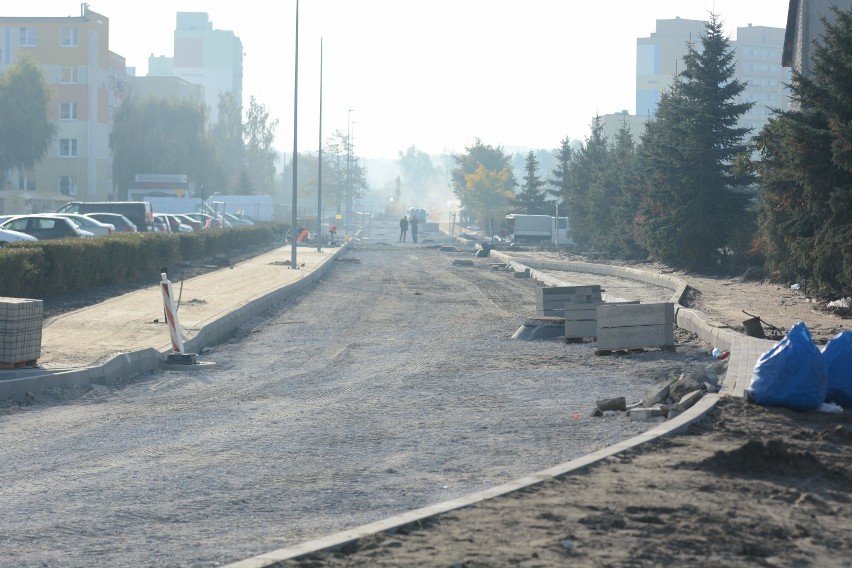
581,198
626,181
806,171
532,198
561,171
693,203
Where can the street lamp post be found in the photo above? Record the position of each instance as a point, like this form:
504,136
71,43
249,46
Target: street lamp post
294,218
349,171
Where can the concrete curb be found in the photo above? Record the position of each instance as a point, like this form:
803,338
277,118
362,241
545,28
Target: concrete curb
717,334
677,425
127,365
744,350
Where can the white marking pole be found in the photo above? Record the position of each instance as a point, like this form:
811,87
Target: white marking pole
171,314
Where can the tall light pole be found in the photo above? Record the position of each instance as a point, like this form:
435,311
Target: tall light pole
294,219
349,171
319,164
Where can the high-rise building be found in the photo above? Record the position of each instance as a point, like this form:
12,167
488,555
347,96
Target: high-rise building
208,57
659,58
758,60
88,83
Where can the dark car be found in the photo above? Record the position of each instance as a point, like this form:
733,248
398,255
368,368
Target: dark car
121,223
140,213
45,227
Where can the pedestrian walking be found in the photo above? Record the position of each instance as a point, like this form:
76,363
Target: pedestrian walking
414,223
403,229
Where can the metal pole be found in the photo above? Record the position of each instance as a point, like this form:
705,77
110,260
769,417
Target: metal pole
557,223
348,172
319,167
294,219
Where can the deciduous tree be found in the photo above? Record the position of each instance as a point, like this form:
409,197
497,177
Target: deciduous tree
26,130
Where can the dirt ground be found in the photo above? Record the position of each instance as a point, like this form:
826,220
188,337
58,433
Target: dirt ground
749,486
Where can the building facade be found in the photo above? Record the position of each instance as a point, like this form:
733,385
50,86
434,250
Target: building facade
804,27
758,53
88,83
208,57
659,58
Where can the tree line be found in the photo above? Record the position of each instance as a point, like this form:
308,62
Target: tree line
697,192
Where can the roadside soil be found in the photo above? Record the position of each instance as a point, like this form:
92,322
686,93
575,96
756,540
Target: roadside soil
750,486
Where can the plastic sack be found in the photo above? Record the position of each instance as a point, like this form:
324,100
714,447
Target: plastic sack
791,374
837,354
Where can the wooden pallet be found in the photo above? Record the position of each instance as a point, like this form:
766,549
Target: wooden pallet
666,348
19,364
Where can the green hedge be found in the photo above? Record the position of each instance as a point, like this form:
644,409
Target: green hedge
33,269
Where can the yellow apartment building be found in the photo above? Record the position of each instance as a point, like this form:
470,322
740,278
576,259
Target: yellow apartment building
88,82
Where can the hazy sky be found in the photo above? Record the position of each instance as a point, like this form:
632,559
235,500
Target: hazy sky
430,73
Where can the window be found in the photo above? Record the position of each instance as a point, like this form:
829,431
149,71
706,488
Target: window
26,183
28,37
68,74
69,37
68,185
68,111
68,147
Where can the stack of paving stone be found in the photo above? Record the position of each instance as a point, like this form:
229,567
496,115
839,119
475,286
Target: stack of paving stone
20,332
551,300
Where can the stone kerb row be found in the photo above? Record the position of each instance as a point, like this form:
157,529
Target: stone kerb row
126,365
712,332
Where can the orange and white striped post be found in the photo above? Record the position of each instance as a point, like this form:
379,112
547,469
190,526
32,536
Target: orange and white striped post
171,314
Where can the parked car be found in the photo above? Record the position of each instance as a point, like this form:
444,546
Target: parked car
208,220
94,226
177,225
238,220
161,224
187,220
139,212
45,227
121,223
14,236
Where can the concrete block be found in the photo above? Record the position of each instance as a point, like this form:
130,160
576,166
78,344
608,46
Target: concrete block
689,399
631,315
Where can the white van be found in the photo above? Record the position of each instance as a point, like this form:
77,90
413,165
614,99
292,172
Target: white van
419,213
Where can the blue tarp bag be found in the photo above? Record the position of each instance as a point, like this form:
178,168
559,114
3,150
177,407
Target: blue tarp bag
791,374
838,369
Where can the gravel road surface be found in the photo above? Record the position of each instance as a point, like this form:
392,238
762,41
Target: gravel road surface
391,385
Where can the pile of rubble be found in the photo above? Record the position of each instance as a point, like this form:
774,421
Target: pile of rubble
668,397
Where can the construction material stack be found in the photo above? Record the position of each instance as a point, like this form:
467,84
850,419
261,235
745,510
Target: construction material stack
20,332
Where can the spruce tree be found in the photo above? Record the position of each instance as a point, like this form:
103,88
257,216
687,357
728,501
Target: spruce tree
806,171
626,182
693,203
532,199
580,199
561,172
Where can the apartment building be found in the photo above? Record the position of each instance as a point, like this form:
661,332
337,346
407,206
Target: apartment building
659,58
203,56
88,83
758,50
